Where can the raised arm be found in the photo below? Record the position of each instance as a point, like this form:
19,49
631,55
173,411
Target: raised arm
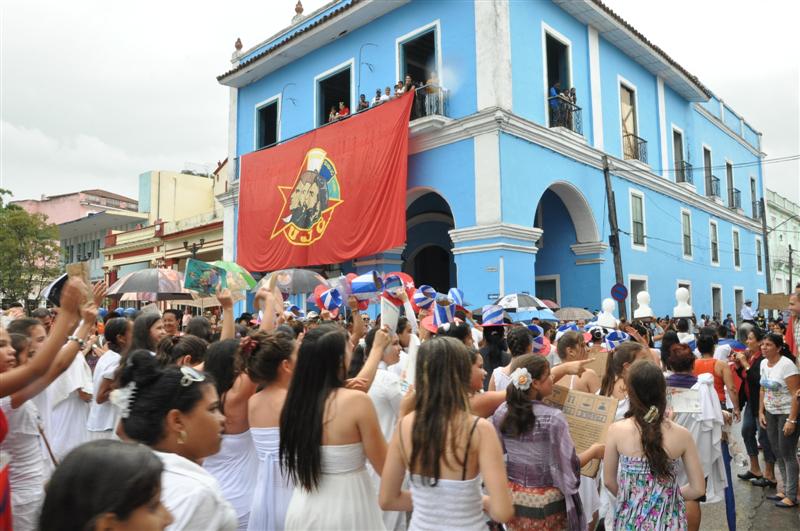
359,328
63,360
17,378
367,373
228,326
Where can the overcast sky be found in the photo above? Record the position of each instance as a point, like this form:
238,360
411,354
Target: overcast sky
96,92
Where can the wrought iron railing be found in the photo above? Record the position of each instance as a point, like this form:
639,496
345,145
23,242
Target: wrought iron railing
634,148
564,113
735,199
430,100
712,186
685,173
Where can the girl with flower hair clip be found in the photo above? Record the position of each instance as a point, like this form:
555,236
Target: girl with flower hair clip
543,468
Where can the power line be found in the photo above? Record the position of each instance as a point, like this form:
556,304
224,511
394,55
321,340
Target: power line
777,160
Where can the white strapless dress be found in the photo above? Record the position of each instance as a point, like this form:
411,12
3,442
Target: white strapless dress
235,467
346,497
452,504
272,491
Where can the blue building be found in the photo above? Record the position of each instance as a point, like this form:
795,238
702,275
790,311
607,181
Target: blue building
505,184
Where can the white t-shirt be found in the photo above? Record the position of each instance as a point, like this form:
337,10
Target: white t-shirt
777,398
103,416
193,496
721,352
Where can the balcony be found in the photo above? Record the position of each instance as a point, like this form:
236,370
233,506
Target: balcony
684,173
564,113
634,148
757,210
735,199
712,186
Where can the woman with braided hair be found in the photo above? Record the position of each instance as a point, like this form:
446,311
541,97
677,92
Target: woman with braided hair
640,463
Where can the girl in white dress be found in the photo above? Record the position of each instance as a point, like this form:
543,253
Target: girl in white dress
106,484
447,450
327,432
102,415
70,395
175,411
270,365
520,342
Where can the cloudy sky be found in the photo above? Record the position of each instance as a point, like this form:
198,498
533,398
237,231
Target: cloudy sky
94,92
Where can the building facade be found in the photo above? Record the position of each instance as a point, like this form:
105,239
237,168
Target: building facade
505,185
783,226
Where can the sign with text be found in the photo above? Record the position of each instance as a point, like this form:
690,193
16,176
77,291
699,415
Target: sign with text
588,416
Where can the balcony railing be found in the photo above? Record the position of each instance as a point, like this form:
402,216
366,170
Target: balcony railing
757,210
430,100
735,199
712,186
634,148
684,173
564,113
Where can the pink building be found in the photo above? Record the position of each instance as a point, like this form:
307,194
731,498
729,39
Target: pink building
68,207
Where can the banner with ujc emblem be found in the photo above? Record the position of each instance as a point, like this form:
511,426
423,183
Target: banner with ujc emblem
333,194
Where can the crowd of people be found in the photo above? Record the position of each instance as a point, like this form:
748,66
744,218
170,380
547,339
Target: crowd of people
428,98
332,421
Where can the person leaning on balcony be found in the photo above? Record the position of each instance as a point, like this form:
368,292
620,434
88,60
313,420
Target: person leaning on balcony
363,104
344,110
387,94
378,98
553,94
432,92
792,334
332,116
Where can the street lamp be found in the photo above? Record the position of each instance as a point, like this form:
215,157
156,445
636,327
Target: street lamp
194,247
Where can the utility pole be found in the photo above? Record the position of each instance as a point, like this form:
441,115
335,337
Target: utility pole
765,243
791,266
613,239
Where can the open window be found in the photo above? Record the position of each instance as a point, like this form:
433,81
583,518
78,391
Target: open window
267,124
681,174
418,58
332,91
561,109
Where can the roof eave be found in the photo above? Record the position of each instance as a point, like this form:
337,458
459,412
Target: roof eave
304,41
622,35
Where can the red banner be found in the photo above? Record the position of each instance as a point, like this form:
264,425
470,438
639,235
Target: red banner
330,195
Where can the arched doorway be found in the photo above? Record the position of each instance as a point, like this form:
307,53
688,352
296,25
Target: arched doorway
567,261
428,256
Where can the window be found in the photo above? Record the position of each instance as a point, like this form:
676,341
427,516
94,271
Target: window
686,226
738,297
627,104
637,220
759,265
737,261
709,177
637,284
558,76
716,302
333,88
729,181
713,235
754,198
688,285
677,156
267,123
418,57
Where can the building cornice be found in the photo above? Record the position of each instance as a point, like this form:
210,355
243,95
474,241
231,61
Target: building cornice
589,248
486,247
499,230
499,120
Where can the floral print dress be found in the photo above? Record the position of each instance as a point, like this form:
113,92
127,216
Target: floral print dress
645,502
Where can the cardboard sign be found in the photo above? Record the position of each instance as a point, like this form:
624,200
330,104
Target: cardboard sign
411,366
390,314
773,301
81,270
588,416
600,361
683,400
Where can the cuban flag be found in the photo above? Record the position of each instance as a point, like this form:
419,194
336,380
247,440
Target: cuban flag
456,296
366,286
331,299
563,329
443,313
424,296
615,339
492,315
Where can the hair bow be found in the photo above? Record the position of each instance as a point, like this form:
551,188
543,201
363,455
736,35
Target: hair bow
521,379
123,398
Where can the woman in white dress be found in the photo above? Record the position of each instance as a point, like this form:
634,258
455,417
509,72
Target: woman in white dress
175,411
447,450
22,445
102,415
327,432
69,398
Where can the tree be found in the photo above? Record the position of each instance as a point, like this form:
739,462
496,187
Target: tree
29,252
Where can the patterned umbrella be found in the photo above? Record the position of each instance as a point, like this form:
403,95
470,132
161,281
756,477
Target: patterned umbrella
574,314
151,284
520,302
292,281
235,270
551,304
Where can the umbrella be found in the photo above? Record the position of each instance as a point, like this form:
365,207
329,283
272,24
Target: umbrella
292,281
235,270
550,304
574,314
520,302
147,296
163,284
